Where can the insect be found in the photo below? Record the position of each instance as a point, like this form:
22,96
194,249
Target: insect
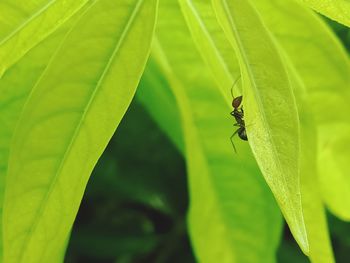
238,114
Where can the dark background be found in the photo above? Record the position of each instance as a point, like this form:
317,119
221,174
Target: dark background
135,204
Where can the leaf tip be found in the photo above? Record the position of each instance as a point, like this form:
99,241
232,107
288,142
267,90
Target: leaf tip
301,237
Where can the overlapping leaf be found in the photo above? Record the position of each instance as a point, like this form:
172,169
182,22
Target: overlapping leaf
314,211
88,84
216,51
27,23
211,182
320,249
324,67
15,13
338,10
271,112
222,216
278,15
15,87
199,13
160,103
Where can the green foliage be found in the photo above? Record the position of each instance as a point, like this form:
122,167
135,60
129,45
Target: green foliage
129,214
267,90
328,90
209,158
27,24
67,122
339,10
320,249
68,73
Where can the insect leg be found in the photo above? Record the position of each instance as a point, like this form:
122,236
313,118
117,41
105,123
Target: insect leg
231,139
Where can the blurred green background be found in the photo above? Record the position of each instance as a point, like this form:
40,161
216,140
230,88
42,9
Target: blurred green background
134,208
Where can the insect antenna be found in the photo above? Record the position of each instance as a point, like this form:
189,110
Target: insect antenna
234,84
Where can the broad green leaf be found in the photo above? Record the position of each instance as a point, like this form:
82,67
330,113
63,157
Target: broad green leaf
324,67
338,10
320,249
14,90
27,23
227,192
334,167
68,120
15,86
202,23
160,104
15,14
200,12
270,108
314,212
212,44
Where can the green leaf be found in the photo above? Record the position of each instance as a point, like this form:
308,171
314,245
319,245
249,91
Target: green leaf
160,104
14,90
205,30
216,51
227,191
324,67
14,14
67,122
338,10
27,23
271,112
314,212
320,249
334,167
15,86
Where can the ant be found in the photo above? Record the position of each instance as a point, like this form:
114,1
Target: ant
238,114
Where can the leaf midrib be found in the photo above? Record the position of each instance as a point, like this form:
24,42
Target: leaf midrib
27,21
77,130
6,63
212,44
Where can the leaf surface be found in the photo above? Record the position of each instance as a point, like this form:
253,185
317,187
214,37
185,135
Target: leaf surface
212,43
338,10
324,67
67,122
160,103
206,32
27,23
320,248
15,13
314,211
270,109
15,87
222,215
